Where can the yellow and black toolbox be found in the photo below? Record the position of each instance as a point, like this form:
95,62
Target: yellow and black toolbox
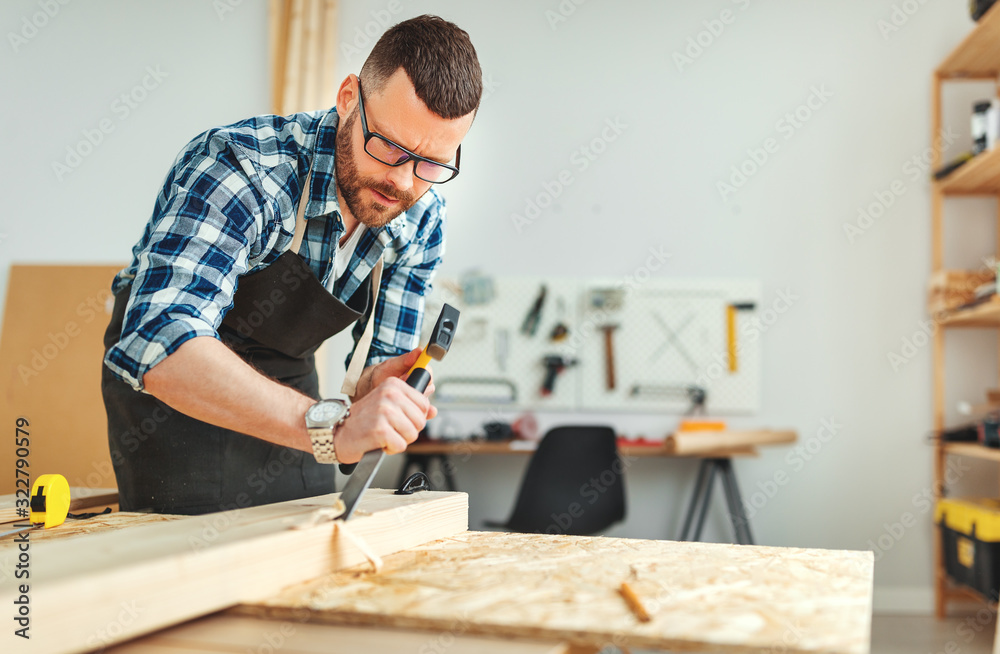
970,539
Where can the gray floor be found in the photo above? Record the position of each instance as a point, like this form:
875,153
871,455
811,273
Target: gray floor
896,634
909,634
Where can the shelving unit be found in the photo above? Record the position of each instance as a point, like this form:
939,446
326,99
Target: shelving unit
976,58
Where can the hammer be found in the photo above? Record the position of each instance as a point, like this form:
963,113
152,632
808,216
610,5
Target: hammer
609,355
437,347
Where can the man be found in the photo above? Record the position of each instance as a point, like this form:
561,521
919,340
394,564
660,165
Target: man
268,237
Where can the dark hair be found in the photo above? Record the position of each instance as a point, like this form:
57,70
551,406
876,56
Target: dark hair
439,59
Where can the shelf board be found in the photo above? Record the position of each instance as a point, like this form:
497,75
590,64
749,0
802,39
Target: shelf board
986,314
980,176
974,450
978,55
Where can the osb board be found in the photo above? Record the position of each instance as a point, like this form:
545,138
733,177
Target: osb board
162,574
226,633
51,352
702,597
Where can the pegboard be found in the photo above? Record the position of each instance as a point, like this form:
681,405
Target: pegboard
666,336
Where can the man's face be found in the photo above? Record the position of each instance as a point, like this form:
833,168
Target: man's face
375,192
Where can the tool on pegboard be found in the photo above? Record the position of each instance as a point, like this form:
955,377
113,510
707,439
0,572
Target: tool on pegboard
732,346
530,324
609,355
695,394
560,331
500,343
554,365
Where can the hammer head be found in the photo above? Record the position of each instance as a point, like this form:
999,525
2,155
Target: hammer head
443,332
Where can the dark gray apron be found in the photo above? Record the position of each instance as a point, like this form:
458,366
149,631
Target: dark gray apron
169,462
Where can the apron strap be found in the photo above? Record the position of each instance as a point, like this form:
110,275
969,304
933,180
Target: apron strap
360,356
300,216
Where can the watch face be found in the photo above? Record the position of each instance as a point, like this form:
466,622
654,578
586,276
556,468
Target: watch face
326,412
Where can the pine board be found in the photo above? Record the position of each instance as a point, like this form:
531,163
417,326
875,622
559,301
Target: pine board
103,588
703,597
226,633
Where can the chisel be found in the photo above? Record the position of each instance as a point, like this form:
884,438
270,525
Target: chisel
418,377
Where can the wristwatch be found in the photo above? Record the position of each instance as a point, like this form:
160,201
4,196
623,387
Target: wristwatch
322,420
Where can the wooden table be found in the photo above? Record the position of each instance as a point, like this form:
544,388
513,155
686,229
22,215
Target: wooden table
487,592
714,462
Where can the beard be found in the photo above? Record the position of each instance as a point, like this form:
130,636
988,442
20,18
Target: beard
350,183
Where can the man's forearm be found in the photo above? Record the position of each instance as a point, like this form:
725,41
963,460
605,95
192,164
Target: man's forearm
206,380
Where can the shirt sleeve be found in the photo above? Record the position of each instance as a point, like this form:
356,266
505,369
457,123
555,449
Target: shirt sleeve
206,223
399,311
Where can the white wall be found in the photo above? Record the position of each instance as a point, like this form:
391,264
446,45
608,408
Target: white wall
554,88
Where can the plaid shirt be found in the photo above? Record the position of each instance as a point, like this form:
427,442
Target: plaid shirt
227,208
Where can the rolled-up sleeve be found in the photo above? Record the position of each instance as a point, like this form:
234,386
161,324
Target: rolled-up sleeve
206,222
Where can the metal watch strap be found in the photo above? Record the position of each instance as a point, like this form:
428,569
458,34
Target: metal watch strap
322,443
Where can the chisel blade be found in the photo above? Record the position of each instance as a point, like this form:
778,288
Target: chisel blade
360,480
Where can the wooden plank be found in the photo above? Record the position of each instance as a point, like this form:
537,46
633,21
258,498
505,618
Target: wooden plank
291,97
978,55
328,57
701,596
74,528
51,354
469,448
980,176
101,589
974,450
228,633
312,71
703,443
278,14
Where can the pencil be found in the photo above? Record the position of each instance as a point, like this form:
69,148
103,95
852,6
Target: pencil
634,602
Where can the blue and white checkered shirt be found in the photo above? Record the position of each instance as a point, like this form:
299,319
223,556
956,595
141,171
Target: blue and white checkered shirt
227,208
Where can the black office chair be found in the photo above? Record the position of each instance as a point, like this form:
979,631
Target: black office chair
574,485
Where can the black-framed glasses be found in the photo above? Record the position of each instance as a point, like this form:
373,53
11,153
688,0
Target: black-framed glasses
392,154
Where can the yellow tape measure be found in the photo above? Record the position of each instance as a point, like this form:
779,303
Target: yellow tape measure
49,501
49,504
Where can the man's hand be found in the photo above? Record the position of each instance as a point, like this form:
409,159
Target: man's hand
386,413
373,376
389,417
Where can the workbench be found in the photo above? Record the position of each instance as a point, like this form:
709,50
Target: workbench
716,461
467,591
